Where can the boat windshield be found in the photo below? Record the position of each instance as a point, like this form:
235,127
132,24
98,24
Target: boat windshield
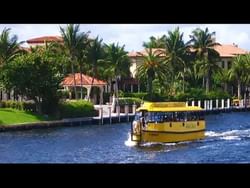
138,115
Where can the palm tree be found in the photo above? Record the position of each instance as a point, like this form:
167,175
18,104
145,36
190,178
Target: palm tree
203,46
95,56
73,40
119,62
9,47
155,42
82,57
240,71
152,67
175,53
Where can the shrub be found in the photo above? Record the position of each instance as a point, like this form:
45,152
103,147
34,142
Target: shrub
27,106
218,95
156,97
135,95
129,101
73,109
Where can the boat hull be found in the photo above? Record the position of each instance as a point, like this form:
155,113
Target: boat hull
174,132
151,136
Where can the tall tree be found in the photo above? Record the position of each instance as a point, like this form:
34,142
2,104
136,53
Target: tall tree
119,62
35,75
152,67
73,40
95,56
82,57
203,43
9,49
240,71
158,42
176,52
9,46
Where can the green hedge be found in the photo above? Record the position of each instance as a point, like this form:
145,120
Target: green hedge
26,106
129,101
134,95
74,109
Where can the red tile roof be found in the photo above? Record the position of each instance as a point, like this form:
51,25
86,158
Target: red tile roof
86,80
45,38
229,50
144,52
225,50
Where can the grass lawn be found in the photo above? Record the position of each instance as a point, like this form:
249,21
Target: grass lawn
10,116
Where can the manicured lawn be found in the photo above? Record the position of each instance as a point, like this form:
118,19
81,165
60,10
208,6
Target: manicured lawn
11,116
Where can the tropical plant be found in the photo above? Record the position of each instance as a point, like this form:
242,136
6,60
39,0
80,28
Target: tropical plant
9,49
119,63
9,46
36,76
73,41
95,57
158,42
175,54
203,43
240,71
152,67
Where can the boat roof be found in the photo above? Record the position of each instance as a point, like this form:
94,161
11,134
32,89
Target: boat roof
167,107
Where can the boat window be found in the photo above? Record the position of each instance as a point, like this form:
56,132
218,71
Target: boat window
201,115
171,116
180,116
168,116
155,116
191,116
195,116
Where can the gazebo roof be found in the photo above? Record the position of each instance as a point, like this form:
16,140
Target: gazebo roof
86,80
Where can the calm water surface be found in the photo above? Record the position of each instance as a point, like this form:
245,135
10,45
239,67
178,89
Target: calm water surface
227,141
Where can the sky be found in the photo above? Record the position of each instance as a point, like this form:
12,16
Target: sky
133,35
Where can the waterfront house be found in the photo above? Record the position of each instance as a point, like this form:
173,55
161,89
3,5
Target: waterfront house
226,52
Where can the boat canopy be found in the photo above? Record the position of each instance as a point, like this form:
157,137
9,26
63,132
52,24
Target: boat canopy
167,107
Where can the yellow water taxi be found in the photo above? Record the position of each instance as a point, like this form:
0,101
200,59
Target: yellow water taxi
167,122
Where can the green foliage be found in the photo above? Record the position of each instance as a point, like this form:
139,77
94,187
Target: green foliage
140,95
26,106
35,75
129,101
121,94
217,95
158,42
200,94
155,97
9,46
74,109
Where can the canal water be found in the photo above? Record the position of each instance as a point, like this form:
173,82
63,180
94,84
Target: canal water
227,141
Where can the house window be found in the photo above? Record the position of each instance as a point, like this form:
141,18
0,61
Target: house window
222,64
229,64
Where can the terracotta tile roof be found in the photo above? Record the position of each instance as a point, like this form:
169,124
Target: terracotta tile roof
144,52
86,80
229,50
45,38
225,50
